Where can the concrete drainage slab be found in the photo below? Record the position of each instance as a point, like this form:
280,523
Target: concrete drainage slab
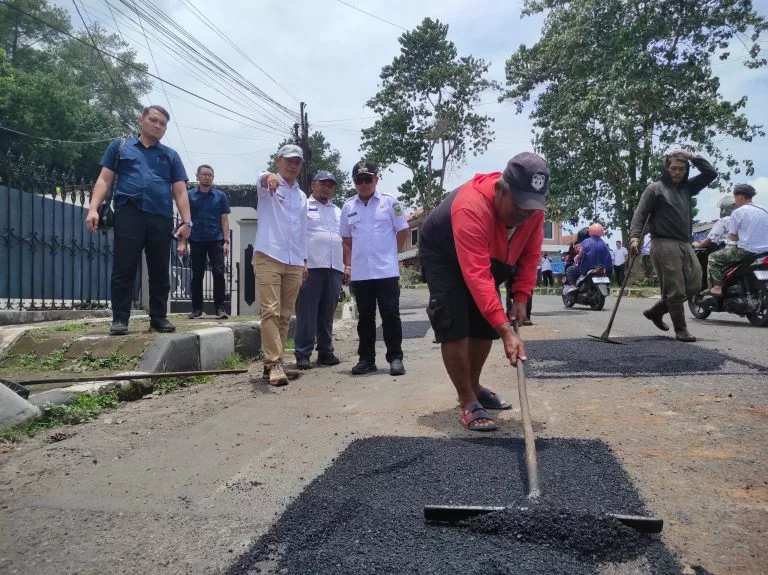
364,514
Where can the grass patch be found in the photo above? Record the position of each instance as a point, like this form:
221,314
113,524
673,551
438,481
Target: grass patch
25,360
290,343
234,361
168,384
53,360
115,360
85,407
70,326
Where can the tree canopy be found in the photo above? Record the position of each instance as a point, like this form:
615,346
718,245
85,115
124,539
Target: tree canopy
617,84
427,121
55,88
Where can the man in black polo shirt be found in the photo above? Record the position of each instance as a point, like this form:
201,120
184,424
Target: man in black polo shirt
209,240
150,177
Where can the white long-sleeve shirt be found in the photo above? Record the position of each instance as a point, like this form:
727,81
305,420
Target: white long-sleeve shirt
281,231
324,249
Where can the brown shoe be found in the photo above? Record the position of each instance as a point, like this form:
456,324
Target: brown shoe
277,376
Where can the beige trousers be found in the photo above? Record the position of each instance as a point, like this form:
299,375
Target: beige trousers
278,286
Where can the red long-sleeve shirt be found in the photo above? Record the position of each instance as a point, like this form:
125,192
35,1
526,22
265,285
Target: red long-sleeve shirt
479,236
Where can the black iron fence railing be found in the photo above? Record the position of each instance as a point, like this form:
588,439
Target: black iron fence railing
49,260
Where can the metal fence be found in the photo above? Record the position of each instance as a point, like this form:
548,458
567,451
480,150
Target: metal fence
181,281
48,259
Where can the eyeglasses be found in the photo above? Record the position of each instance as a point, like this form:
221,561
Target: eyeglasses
366,179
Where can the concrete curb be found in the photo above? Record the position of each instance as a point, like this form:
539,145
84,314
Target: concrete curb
205,348
11,317
14,408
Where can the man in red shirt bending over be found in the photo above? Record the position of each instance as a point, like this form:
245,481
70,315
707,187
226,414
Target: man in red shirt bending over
486,232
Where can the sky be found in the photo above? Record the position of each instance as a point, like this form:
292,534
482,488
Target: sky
329,55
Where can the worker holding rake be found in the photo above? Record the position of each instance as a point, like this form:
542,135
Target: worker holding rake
484,233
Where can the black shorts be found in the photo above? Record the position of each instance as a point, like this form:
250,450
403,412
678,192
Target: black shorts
452,310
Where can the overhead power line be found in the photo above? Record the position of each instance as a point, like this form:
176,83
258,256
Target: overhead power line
104,62
203,18
55,140
126,63
152,55
371,15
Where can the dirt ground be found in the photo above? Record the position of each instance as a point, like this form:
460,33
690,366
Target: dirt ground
184,483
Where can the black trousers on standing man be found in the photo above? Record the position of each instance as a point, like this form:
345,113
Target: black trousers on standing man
200,253
135,231
385,292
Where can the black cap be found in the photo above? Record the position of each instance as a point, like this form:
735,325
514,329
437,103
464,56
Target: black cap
528,176
364,167
744,190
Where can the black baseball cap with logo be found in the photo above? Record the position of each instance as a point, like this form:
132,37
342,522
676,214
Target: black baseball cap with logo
528,176
365,168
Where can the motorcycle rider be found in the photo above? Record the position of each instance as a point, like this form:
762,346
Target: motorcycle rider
594,252
718,235
748,228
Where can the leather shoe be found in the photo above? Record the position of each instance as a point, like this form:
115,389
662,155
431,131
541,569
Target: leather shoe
303,363
364,366
119,327
196,314
329,359
162,325
221,314
396,367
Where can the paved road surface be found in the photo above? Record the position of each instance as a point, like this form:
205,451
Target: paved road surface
184,483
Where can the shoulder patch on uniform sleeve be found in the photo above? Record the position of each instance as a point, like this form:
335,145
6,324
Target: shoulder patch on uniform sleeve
397,208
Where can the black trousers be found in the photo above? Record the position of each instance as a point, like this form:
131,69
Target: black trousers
385,292
200,253
547,278
619,270
136,231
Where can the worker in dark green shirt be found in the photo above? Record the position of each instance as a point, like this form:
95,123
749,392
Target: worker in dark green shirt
666,205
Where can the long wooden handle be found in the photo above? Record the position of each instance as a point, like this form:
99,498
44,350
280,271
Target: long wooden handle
131,376
618,297
531,463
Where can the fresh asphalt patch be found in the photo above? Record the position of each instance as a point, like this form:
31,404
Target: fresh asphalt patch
647,356
365,513
412,329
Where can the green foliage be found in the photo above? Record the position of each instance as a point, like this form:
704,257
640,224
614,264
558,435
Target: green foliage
114,360
323,158
69,326
616,85
51,361
25,360
426,112
85,407
166,385
55,87
234,361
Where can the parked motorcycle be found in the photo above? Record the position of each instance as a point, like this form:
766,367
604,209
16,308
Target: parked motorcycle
591,289
745,290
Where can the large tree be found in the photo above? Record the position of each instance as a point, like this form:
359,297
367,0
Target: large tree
323,158
618,83
427,121
53,87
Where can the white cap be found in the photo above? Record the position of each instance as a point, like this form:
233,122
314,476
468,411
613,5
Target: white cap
290,151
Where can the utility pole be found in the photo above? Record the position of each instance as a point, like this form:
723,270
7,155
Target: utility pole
301,134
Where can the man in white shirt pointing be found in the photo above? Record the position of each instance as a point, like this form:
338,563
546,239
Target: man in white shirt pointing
320,291
279,255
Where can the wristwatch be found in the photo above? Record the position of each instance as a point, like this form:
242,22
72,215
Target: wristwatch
187,224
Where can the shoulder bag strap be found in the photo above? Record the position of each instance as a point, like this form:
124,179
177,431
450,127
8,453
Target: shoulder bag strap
115,168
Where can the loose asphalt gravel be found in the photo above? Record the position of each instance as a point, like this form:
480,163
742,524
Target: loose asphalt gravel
641,355
365,513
